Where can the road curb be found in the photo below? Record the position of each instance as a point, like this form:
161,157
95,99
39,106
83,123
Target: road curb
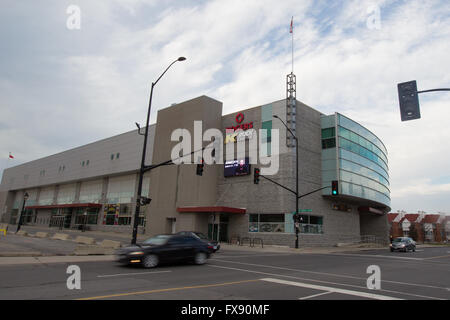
14,254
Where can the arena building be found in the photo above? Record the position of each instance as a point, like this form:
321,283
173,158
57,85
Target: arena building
96,184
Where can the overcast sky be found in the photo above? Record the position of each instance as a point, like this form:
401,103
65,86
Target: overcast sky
61,88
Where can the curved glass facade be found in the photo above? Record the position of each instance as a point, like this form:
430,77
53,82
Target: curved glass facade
361,162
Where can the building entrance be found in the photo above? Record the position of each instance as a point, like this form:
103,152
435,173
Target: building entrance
218,227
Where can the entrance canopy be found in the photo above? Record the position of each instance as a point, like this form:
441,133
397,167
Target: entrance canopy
211,210
71,205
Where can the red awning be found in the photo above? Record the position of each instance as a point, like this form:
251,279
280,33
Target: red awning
71,205
210,210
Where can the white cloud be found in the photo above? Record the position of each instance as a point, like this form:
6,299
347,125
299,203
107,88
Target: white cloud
239,53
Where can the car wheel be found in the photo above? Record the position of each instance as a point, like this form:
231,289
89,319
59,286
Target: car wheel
200,258
150,261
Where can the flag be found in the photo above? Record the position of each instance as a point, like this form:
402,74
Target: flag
291,30
10,156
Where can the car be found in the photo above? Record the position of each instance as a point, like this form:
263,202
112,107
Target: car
403,244
164,249
212,243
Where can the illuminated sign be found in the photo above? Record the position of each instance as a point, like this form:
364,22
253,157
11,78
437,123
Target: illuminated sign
235,168
233,136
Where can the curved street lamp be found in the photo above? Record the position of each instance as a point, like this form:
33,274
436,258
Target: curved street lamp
296,180
25,198
144,150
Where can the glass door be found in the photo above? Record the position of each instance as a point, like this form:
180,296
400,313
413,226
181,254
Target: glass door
213,231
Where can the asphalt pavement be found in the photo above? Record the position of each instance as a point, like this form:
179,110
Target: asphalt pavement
243,275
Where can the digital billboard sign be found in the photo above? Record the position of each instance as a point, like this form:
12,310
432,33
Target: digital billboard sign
236,168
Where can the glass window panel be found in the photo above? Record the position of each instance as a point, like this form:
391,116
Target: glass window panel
329,143
328,133
353,147
315,220
353,126
266,113
271,218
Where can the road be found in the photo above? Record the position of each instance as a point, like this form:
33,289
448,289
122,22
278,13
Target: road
243,275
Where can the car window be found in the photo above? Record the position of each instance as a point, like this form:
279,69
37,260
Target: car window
178,240
192,240
200,235
157,240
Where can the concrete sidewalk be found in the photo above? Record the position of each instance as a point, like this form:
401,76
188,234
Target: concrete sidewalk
124,238
7,261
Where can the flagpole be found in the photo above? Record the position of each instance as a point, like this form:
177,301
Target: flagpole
292,44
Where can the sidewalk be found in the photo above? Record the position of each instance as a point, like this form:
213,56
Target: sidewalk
7,261
124,238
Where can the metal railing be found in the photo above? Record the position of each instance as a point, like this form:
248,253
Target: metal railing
363,239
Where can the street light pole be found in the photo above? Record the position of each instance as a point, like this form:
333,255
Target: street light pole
144,150
296,179
19,224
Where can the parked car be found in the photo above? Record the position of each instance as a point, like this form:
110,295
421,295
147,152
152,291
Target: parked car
164,249
403,244
212,243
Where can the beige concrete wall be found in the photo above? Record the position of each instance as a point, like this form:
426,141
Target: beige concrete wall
179,186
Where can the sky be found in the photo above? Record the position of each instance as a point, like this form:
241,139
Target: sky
66,82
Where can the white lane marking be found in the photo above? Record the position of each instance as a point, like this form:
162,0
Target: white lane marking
375,256
331,289
331,274
315,295
327,282
253,255
129,274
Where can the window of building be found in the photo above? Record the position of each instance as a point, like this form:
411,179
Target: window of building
112,156
283,223
329,143
328,138
86,216
311,224
125,214
267,223
117,155
27,216
328,133
124,221
110,215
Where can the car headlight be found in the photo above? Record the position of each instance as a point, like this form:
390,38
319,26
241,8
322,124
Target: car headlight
136,253
402,245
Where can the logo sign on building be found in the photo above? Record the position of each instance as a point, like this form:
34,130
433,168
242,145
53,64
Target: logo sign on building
240,131
235,168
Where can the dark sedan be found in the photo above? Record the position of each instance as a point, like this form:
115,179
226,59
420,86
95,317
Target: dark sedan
213,245
403,244
164,249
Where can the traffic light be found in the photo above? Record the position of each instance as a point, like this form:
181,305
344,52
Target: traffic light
256,176
145,201
409,100
334,188
200,167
